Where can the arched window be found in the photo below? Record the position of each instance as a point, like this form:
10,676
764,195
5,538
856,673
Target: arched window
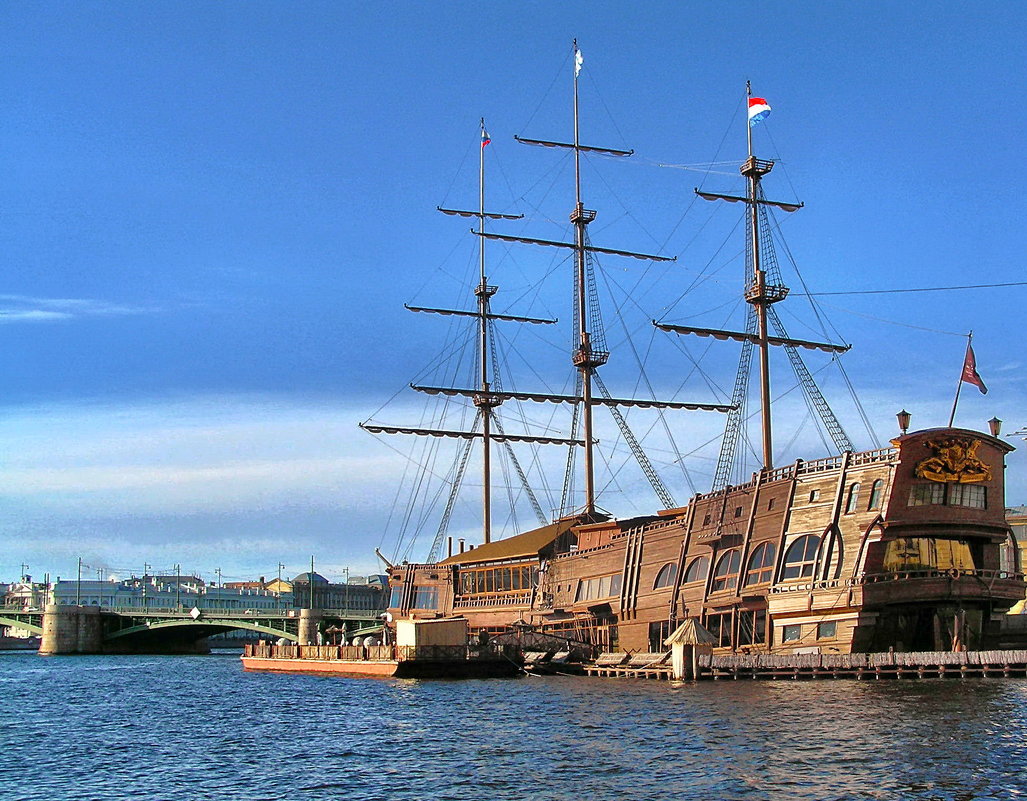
697,570
725,576
875,495
801,556
666,576
1007,561
761,564
850,507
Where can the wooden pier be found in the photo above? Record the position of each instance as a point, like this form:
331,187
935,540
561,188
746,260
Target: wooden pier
913,665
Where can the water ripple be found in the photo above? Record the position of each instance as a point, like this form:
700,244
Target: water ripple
200,728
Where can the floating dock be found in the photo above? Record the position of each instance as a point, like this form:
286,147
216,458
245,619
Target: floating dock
912,665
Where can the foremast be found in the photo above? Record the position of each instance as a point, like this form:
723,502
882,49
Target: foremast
484,398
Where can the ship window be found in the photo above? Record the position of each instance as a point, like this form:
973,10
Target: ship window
770,504
396,598
929,494
761,564
697,570
971,495
599,587
666,576
752,626
720,627
914,554
495,579
827,631
725,577
850,506
738,511
1007,555
706,520
791,633
814,495
800,557
426,598
875,495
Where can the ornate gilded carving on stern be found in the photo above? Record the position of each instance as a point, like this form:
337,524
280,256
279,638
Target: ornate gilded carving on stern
954,459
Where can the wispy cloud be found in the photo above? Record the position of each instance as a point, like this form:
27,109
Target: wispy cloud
23,308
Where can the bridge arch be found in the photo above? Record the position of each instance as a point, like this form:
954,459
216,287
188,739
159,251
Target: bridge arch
20,624
203,623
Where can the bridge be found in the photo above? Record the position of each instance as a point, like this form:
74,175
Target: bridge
68,629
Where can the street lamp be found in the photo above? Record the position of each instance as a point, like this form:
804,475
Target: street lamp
995,426
903,418
278,587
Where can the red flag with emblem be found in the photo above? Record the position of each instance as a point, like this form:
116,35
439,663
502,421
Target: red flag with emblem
970,374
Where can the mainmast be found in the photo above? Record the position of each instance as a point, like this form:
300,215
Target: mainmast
484,401
584,358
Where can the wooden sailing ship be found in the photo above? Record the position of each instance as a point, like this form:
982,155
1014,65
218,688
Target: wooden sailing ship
903,547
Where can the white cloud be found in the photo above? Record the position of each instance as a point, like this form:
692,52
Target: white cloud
22,308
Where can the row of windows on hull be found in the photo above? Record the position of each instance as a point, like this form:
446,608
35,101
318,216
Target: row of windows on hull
935,493
799,562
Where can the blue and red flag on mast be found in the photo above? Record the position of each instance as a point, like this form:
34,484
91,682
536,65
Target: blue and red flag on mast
484,137
759,110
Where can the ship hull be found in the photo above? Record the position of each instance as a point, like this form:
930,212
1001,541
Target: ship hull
864,552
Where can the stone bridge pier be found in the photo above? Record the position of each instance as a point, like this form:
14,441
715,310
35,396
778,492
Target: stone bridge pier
71,630
309,621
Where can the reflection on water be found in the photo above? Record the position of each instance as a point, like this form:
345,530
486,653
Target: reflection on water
198,727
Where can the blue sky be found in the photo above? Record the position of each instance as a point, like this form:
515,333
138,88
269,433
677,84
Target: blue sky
211,215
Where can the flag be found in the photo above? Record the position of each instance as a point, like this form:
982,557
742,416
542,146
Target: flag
484,137
578,61
758,110
970,374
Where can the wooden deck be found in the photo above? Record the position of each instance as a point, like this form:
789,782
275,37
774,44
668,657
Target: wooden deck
914,665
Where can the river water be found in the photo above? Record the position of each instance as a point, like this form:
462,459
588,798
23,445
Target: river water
200,728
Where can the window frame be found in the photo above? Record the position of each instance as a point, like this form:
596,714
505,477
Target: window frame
876,491
666,576
727,580
852,502
807,565
692,566
755,574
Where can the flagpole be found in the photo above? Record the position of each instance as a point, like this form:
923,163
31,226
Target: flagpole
959,384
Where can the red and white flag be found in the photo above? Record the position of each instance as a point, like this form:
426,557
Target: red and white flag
970,374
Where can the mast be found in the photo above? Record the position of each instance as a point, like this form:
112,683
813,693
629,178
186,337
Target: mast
584,359
759,294
484,401
763,288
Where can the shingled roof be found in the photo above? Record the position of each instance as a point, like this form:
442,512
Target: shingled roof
525,545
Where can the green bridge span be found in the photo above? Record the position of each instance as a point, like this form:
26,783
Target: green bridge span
97,630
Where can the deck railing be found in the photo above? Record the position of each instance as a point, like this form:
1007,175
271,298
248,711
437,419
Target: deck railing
491,601
376,653
896,575
936,573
